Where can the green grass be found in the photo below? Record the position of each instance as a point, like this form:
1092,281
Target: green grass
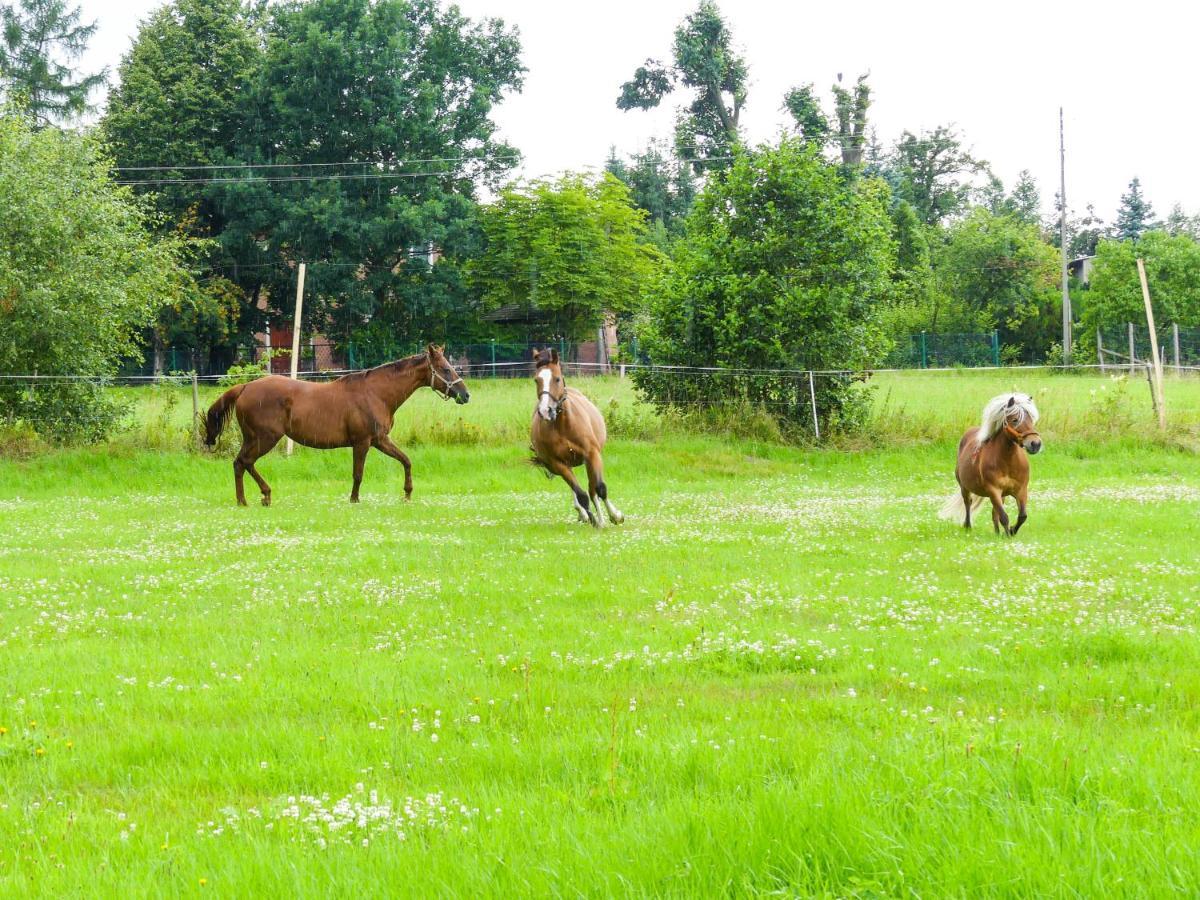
783,674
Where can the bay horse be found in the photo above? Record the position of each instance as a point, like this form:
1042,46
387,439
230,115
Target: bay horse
992,462
356,410
568,431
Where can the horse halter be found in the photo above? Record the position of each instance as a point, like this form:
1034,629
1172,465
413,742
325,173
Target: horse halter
555,405
1016,437
434,373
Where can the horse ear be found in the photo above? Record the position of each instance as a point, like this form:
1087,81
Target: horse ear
553,355
430,349
534,354
1012,401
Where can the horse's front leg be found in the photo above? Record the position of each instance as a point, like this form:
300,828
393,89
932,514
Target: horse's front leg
360,461
999,516
1022,502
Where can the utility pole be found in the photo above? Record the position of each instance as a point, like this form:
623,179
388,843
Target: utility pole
1062,239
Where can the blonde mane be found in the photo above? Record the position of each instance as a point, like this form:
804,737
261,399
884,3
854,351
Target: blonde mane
998,411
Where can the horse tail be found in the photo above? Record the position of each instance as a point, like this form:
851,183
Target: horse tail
955,510
218,414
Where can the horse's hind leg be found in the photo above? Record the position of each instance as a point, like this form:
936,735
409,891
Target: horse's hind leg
597,487
966,495
581,499
252,450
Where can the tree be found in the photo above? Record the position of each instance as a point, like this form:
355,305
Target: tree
661,186
570,250
1178,222
1172,272
404,90
41,38
182,100
1004,274
934,173
706,63
82,272
1083,232
1135,216
784,263
850,111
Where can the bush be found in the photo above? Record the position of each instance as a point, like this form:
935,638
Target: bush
81,276
785,264
65,412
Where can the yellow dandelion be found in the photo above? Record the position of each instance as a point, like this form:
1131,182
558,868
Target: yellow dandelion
41,751
70,744
3,730
203,882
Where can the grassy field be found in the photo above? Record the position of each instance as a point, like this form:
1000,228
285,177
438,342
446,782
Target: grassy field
783,675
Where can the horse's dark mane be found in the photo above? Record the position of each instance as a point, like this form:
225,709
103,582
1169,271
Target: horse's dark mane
398,365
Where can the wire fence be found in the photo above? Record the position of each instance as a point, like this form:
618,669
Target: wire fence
73,407
1130,347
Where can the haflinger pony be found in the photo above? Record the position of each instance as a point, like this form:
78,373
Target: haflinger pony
992,462
568,431
355,411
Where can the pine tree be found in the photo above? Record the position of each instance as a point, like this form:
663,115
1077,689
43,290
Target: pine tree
39,41
1135,216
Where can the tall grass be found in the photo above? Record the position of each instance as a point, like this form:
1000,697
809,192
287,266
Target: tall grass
782,676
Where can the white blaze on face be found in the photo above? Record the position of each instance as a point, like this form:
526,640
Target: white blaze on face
544,377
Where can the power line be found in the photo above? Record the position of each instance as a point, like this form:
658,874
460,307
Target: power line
293,165
286,178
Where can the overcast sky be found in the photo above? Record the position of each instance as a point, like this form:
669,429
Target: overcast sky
999,72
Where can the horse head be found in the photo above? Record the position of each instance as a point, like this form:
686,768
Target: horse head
551,389
442,377
1018,415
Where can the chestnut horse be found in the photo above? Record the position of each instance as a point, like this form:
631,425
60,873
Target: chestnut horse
568,431
355,411
992,461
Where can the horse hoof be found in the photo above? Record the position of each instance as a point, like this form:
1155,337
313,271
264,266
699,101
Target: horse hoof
353,499
266,500
619,519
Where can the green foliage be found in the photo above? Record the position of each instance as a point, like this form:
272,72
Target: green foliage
407,89
571,250
850,112
1172,273
706,62
783,264
664,188
39,40
1135,216
1000,274
81,274
934,173
1180,223
241,373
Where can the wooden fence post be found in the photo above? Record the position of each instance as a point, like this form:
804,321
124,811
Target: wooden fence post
1175,341
1132,351
812,393
1156,357
1100,349
195,406
296,334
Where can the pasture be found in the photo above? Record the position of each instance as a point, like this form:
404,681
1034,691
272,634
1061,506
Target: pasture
783,675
